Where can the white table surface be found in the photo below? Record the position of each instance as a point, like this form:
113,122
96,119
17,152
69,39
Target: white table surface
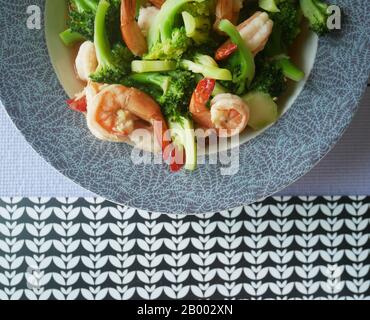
345,171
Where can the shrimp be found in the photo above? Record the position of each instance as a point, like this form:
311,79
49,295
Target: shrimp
255,31
157,3
237,6
146,18
228,114
117,111
131,32
228,9
224,10
86,61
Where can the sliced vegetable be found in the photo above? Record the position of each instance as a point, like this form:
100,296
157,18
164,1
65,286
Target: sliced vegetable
183,136
263,110
141,66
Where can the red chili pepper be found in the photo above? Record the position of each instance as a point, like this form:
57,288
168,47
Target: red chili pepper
225,51
176,165
79,105
204,90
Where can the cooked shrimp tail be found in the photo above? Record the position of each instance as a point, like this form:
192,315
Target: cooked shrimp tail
228,115
157,3
144,107
131,32
198,105
224,10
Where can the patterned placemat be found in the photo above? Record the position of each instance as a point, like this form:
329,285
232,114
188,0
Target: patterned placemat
92,249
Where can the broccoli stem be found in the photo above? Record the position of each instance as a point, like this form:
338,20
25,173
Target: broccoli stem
91,4
205,60
290,70
207,71
157,79
247,60
183,135
102,46
163,24
206,66
269,5
70,38
141,66
86,5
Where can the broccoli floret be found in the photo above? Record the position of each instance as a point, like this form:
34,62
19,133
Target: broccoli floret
172,91
289,20
113,64
81,18
197,27
198,20
287,26
113,21
205,8
166,40
170,48
316,12
270,78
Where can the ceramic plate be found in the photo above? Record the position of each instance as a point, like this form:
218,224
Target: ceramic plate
34,87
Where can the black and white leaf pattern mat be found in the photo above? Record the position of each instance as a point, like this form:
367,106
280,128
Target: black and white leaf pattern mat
92,249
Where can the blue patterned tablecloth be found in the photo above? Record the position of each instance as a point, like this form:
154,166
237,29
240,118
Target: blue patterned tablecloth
302,248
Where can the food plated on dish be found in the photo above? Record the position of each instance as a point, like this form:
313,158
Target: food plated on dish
38,76
171,67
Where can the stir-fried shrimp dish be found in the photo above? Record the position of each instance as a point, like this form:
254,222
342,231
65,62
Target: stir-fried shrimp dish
172,67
